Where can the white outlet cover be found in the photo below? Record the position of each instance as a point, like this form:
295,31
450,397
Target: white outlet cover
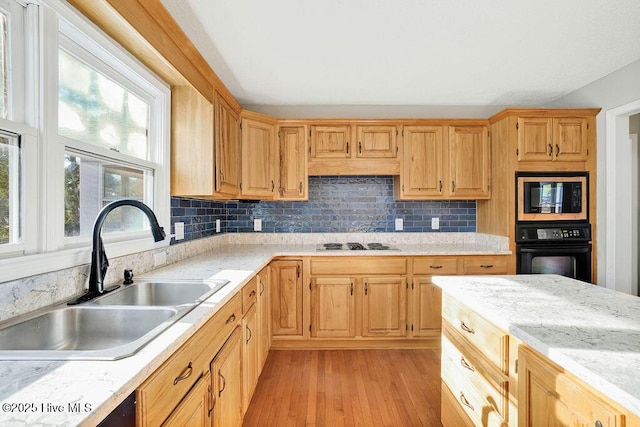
399,224
217,225
179,230
435,223
257,225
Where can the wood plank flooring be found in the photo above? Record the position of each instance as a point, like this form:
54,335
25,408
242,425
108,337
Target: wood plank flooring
347,388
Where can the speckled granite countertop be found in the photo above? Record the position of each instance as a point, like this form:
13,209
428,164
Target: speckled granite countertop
38,393
590,331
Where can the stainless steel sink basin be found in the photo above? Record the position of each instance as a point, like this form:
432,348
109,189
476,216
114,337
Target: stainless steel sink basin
111,327
85,332
162,293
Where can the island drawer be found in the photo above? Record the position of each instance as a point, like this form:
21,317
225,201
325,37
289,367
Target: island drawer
435,265
167,386
486,338
249,294
497,264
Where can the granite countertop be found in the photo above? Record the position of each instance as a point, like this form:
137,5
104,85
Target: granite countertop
590,331
40,393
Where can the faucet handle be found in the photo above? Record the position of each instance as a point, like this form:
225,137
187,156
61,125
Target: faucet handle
128,276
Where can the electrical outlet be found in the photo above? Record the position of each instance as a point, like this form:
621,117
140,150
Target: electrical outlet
435,223
217,225
257,225
399,224
179,230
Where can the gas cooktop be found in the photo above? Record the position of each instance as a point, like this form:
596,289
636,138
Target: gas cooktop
354,246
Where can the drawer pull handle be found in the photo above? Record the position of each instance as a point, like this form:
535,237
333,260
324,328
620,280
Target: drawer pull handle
231,318
435,267
184,375
465,402
466,328
486,265
466,365
252,294
224,383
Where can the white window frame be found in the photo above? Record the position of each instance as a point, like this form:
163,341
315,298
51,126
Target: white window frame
46,249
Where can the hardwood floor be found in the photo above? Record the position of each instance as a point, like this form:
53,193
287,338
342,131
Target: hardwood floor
347,388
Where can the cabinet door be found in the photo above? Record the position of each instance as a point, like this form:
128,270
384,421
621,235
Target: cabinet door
384,312
469,161
259,157
226,371
249,355
332,307
427,308
548,397
264,317
423,162
286,297
330,142
376,141
570,139
227,138
293,163
195,409
534,138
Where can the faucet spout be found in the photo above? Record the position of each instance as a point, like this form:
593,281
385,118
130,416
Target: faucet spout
99,261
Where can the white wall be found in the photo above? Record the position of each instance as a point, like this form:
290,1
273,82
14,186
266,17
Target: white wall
614,90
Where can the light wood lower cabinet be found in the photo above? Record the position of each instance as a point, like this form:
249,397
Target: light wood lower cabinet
427,310
550,397
264,317
333,313
250,368
195,410
226,372
286,297
384,308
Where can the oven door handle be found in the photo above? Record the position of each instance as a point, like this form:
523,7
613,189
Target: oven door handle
553,249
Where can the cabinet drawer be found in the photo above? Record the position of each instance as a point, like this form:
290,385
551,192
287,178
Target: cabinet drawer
165,388
249,294
452,415
486,338
485,265
465,374
358,265
433,266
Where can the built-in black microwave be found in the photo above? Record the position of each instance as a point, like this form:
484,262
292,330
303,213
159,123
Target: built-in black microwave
557,196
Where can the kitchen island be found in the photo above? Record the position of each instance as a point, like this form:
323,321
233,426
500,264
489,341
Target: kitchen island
589,332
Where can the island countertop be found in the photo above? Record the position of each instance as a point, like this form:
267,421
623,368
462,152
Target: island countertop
35,390
590,331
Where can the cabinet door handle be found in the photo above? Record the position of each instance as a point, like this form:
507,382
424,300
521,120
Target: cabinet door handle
347,147
252,294
250,334
300,187
440,185
366,288
453,186
351,288
212,400
360,147
465,402
261,287
298,270
273,186
550,150
466,364
435,267
231,318
486,265
224,383
557,150
466,328
186,373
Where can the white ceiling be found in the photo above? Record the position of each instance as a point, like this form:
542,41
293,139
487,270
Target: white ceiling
410,52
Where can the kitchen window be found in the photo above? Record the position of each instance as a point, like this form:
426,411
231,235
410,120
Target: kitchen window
82,123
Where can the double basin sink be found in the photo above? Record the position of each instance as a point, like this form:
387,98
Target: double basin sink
109,327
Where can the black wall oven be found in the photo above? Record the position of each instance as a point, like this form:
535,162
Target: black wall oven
554,248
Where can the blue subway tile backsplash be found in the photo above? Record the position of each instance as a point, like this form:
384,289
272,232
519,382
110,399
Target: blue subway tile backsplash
336,205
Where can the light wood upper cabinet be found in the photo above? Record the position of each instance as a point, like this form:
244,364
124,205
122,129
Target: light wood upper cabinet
376,141
286,297
552,139
227,146
259,156
469,161
423,162
293,183
332,307
330,142
384,312
226,373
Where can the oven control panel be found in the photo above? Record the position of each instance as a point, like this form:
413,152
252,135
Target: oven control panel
528,233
